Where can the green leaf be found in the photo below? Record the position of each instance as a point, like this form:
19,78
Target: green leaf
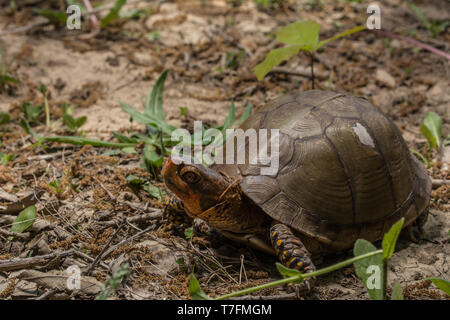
420,14
56,184
366,269
151,157
230,117
134,179
274,58
124,139
188,233
79,122
341,35
195,291
30,111
4,78
4,118
154,103
301,33
442,284
129,150
247,112
113,14
390,239
55,17
397,292
24,220
148,119
432,129
287,273
26,126
154,191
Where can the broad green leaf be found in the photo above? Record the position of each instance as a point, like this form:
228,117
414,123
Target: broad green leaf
154,191
442,284
247,112
4,118
113,14
24,220
287,272
432,129
55,17
341,35
195,291
369,270
301,33
390,239
274,58
397,292
154,103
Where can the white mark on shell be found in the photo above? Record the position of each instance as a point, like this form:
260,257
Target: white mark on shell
363,135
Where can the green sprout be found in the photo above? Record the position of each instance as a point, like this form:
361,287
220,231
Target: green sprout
300,35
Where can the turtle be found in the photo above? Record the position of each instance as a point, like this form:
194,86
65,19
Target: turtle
345,172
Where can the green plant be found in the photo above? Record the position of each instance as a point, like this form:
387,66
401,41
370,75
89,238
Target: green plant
366,255
56,184
114,282
153,190
434,28
113,14
5,158
300,35
157,140
55,17
442,284
24,220
5,78
72,124
30,111
5,118
431,129
266,4
43,90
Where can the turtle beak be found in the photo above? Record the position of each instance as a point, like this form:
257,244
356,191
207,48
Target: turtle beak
169,173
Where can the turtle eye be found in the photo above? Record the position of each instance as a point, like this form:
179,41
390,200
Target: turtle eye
190,177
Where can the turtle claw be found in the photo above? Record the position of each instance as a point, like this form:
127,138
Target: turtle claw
302,288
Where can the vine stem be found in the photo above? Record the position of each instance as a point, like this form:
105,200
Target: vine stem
301,276
312,68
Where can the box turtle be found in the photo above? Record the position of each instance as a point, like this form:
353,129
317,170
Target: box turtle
344,173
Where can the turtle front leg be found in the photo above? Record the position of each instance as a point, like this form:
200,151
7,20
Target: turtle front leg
176,215
292,253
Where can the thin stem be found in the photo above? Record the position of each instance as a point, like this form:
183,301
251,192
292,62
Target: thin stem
47,112
415,43
300,276
385,278
312,68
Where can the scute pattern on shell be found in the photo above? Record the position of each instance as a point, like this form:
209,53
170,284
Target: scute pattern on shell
345,171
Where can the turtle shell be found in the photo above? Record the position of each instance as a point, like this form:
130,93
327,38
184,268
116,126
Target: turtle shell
344,170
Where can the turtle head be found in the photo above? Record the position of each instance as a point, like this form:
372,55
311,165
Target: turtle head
197,186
